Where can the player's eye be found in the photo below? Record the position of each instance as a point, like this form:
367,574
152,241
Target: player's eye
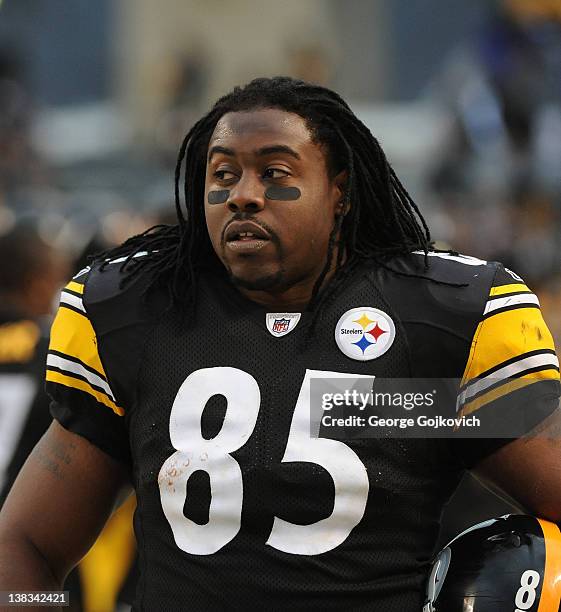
274,173
224,175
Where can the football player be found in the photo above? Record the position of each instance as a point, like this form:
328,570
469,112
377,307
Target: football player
31,274
29,285
183,362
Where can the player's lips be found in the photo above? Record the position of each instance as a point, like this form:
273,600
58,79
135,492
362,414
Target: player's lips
245,236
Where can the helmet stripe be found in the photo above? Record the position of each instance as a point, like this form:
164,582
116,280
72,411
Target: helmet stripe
551,588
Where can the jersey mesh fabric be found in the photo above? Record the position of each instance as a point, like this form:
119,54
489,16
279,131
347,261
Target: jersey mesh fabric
382,563
384,558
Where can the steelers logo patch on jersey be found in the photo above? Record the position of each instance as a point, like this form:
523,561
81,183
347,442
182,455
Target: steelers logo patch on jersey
364,333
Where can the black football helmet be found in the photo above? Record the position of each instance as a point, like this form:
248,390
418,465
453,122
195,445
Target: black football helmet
507,564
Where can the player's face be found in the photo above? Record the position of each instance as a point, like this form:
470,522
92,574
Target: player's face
269,201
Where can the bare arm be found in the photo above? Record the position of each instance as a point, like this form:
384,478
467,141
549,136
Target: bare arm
58,504
529,470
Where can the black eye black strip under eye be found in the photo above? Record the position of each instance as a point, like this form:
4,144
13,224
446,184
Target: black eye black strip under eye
278,192
275,192
218,197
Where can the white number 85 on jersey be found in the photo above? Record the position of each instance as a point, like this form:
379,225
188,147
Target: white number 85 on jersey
213,456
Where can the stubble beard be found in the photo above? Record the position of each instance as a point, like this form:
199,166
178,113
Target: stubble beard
262,283
265,282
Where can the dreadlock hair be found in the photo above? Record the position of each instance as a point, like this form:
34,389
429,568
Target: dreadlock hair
380,219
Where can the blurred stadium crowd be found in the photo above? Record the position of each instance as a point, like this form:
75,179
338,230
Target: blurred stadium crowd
480,149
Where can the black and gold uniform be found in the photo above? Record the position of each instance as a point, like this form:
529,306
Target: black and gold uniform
238,506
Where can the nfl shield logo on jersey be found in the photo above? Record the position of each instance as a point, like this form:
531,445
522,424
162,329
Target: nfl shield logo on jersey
282,323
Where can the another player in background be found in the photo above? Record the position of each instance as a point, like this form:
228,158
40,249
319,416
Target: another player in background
31,275
183,362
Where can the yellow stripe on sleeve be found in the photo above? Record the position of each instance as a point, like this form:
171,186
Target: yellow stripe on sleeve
72,334
506,335
74,286
513,385
508,289
551,587
82,385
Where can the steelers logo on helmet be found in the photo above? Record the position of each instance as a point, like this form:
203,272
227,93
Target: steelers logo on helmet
364,333
512,563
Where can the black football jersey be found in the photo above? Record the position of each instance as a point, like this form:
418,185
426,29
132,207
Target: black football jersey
239,505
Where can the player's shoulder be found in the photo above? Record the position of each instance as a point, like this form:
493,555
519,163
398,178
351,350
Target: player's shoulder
449,267
104,279
453,270
109,292
446,287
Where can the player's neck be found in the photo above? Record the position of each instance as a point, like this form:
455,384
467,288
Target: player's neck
294,298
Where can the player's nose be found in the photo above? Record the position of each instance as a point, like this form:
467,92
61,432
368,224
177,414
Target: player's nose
248,195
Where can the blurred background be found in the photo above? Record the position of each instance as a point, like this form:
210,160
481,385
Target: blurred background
465,97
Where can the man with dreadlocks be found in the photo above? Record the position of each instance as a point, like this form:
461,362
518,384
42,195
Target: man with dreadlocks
184,359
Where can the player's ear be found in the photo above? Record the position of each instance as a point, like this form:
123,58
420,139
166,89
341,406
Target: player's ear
340,183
